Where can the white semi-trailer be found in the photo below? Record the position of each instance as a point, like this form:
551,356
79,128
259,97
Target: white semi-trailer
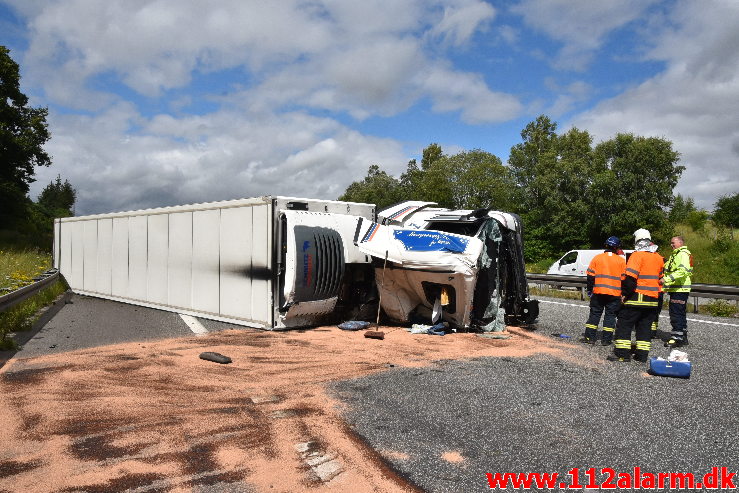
267,262
280,262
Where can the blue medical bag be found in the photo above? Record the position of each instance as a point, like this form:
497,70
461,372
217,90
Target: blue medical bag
664,368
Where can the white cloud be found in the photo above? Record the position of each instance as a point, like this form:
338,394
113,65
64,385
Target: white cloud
581,25
694,102
330,57
155,46
468,93
220,156
567,96
460,21
360,57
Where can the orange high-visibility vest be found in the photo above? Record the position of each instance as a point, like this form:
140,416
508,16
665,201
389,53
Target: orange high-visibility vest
646,268
608,270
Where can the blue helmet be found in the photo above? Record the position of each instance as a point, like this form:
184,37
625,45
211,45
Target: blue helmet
613,241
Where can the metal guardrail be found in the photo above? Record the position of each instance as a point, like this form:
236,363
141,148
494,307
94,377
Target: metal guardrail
716,291
696,290
14,297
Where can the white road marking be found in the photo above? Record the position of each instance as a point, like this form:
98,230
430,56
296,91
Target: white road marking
661,316
194,325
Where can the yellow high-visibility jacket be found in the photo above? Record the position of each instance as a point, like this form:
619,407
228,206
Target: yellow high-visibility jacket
678,269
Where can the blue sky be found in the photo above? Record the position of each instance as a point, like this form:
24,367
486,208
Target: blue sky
167,102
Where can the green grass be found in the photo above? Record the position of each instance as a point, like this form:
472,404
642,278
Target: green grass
541,266
22,316
555,293
715,254
18,267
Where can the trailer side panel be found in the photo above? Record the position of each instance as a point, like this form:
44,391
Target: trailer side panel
209,260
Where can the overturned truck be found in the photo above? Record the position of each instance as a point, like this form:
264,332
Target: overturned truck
466,265
280,262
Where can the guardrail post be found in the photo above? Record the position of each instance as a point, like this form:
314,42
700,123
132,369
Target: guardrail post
695,304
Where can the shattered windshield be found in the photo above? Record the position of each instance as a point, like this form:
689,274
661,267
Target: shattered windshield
466,228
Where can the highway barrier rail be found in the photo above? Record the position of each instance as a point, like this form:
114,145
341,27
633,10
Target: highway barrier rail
14,297
716,291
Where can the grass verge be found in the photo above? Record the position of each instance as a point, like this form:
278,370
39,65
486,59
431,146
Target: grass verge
715,253
22,316
550,292
18,267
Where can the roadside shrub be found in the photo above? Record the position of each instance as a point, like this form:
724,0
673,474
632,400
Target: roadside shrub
720,308
541,266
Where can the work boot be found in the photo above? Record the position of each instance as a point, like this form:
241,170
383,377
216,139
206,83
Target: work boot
606,341
590,334
641,358
674,343
619,359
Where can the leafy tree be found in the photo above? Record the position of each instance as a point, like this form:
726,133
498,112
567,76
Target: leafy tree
430,154
681,209
530,160
634,185
468,180
411,182
23,132
377,188
726,211
553,174
58,198
697,219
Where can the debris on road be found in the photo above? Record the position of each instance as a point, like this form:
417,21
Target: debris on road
215,357
354,325
152,417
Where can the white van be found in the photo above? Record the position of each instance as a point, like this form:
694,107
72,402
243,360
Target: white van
576,262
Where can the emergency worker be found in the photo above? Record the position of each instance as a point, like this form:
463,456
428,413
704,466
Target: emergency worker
676,283
641,234
605,274
640,294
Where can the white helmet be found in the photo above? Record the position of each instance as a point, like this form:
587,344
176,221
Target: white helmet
642,234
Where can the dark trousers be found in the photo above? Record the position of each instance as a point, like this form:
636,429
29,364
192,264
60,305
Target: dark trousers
655,322
678,315
598,304
632,318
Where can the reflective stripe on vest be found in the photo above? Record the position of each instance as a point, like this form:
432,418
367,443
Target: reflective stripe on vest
646,268
642,300
608,270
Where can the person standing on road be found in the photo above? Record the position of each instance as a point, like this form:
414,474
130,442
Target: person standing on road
640,291
676,282
605,274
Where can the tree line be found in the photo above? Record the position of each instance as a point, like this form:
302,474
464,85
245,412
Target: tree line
569,192
23,133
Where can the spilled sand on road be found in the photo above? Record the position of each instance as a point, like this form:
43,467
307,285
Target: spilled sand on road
153,416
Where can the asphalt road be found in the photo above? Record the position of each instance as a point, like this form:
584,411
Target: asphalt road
445,427
86,322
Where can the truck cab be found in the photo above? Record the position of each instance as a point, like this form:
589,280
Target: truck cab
467,265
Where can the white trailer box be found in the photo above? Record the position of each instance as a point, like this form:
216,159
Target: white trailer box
267,262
